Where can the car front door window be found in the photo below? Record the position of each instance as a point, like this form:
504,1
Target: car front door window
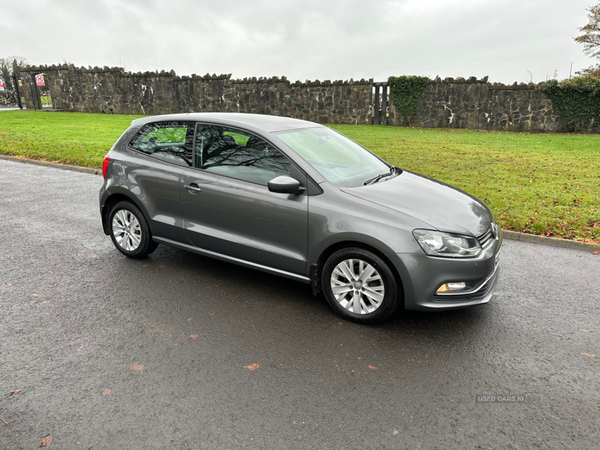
238,155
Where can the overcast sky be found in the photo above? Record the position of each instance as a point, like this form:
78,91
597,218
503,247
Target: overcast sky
310,39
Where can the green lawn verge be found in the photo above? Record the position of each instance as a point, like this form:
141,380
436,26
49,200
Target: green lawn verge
546,184
73,138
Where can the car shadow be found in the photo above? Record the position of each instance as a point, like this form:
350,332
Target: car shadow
283,289
233,275
243,282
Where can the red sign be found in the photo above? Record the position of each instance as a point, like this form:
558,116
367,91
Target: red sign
1,86
39,80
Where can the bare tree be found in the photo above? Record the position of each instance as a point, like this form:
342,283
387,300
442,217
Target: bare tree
10,71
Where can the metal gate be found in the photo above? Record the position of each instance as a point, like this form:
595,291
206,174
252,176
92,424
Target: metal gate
381,104
40,92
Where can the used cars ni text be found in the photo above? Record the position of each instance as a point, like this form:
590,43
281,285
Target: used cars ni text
300,200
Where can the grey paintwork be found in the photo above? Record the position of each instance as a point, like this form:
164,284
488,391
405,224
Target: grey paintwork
246,221
438,205
290,234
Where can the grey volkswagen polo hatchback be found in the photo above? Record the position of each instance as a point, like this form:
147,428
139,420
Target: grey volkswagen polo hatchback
299,200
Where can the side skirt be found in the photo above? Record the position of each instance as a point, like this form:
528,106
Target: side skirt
233,260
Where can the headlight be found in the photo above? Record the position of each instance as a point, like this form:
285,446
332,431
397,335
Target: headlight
436,243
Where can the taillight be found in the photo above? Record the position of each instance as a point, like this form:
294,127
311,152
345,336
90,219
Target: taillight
105,166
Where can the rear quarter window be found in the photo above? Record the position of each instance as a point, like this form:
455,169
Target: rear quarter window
168,141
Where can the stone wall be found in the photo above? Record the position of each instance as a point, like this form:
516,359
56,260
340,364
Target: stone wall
449,103
112,90
477,104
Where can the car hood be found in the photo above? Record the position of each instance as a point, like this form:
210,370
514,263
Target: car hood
443,207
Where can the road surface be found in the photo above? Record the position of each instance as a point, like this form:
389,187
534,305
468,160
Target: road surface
112,353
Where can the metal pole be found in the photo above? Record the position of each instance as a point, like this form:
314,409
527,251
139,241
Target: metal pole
17,91
377,116
384,104
37,92
32,97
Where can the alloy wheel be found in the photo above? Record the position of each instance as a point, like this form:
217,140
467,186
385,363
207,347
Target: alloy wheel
357,286
127,230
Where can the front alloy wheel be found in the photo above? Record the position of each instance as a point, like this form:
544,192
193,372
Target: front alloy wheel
359,285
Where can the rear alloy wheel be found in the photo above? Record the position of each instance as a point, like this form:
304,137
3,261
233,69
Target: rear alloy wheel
359,286
129,231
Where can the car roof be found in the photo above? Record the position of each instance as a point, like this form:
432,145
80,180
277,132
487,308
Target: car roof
262,122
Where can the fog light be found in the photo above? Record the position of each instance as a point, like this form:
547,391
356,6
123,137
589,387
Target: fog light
451,287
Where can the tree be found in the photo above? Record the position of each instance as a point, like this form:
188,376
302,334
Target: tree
590,37
593,71
10,72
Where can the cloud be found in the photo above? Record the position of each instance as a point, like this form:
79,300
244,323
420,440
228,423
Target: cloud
337,39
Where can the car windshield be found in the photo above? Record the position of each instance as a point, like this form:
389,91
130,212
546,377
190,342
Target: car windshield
339,159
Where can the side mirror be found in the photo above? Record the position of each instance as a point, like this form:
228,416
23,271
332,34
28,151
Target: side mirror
285,185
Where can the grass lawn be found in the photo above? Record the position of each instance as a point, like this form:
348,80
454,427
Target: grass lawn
46,100
74,138
547,184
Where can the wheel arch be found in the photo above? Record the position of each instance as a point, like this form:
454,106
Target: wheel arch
317,268
112,200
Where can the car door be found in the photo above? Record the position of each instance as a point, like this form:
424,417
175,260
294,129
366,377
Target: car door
163,151
228,208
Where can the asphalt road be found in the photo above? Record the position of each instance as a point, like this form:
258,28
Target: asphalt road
112,353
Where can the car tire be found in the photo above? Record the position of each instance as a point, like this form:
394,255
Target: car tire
360,286
129,231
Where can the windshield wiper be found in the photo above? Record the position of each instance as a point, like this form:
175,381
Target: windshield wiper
379,177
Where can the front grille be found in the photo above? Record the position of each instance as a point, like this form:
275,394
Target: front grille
486,238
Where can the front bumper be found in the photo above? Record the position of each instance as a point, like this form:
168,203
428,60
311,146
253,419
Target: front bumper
423,275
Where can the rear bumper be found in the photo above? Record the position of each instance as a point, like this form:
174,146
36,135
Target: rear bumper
103,195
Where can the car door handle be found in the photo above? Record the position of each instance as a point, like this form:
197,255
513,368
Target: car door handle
192,188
